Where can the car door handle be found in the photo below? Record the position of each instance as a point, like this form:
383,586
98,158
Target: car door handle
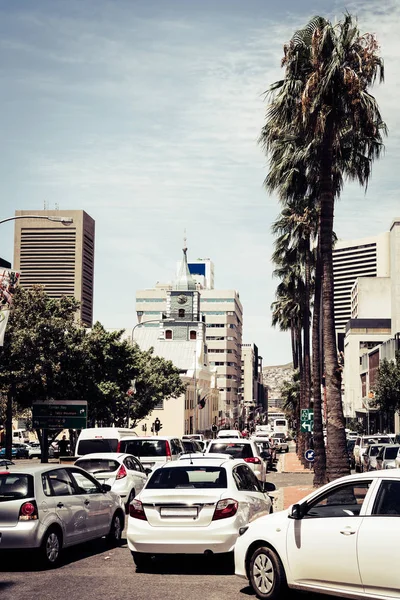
87,502
60,505
347,532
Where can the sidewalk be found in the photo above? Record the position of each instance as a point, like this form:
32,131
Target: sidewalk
290,494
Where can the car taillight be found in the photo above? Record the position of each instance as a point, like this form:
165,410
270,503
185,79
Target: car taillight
121,472
225,508
136,510
253,459
28,512
168,450
119,447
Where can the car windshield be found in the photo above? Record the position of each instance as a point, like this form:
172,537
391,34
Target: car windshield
15,486
188,477
235,449
98,465
144,447
391,453
97,445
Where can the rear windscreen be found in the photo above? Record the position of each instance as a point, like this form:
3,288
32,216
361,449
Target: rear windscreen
391,453
15,486
98,465
97,445
237,450
144,447
188,477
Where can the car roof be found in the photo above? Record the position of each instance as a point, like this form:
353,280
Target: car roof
32,469
206,462
148,438
208,457
114,455
233,440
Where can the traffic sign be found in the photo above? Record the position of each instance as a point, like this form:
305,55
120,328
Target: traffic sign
307,420
59,414
309,455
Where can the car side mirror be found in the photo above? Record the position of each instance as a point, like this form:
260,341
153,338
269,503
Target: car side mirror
105,488
147,471
296,512
268,487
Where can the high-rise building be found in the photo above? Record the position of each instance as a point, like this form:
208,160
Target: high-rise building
58,256
254,398
366,257
223,314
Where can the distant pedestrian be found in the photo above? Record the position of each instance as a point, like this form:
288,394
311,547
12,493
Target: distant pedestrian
63,446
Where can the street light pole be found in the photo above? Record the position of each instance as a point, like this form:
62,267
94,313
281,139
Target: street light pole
64,220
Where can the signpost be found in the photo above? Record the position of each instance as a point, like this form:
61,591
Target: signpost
307,420
59,414
309,455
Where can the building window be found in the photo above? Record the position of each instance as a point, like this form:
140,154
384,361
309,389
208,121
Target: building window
181,313
193,335
168,334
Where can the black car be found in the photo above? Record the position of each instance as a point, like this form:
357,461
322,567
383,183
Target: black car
22,450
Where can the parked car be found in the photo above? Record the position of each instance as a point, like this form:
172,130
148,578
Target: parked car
245,449
323,544
101,439
153,451
4,462
191,446
199,437
362,442
267,451
34,450
18,450
195,507
369,457
49,507
387,454
280,442
124,473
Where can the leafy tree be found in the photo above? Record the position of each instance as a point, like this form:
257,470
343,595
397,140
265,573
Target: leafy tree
323,117
387,387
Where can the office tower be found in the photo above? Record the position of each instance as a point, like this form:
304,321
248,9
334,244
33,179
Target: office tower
58,256
202,271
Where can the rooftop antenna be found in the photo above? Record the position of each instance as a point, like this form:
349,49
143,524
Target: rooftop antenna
184,240
56,206
45,205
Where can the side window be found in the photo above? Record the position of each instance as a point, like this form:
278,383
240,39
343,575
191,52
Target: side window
342,501
387,501
137,465
244,482
176,446
57,483
128,462
85,483
252,479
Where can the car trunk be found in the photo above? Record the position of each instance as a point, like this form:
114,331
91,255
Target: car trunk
15,489
180,508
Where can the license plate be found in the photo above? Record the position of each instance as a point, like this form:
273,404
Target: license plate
190,511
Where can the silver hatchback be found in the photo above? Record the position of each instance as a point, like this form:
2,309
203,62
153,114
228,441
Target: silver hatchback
50,507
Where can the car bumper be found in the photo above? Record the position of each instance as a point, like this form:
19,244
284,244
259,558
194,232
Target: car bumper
26,534
218,538
240,558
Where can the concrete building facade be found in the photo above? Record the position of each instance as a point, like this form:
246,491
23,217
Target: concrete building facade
60,257
254,405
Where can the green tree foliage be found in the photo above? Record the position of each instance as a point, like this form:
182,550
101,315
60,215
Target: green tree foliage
46,355
387,388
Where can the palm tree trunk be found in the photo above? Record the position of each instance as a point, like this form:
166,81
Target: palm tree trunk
336,454
301,436
293,341
319,446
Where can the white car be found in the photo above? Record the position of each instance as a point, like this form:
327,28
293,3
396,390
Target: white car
34,450
123,472
339,540
195,507
245,449
228,433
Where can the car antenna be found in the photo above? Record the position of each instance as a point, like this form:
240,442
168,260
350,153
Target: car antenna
190,458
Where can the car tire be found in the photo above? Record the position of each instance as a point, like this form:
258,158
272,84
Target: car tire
142,561
51,548
287,449
115,533
131,496
266,574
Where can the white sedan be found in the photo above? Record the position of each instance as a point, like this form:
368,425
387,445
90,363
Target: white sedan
123,472
195,507
339,540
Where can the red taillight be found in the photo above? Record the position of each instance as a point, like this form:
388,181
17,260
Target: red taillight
119,447
253,460
121,472
225,508
168,450
28,511
136,510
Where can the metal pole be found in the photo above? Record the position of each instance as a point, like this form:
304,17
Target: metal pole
195,391
65,220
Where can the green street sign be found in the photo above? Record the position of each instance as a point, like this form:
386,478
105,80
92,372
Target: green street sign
307,420
59,414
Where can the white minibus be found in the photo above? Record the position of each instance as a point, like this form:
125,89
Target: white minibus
101,439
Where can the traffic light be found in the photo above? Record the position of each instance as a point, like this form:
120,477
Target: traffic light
157,425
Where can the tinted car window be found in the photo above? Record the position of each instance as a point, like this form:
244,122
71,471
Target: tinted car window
343,501
97,445
391,453
192,477
235,449
245,479
85,483
57,483
388,499
144,447
15,486
98,465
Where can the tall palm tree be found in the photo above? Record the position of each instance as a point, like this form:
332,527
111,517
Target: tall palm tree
324,102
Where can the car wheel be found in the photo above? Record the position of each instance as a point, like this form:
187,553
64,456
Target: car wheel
51,548
130,498
267,576
287,449
115,533
142,561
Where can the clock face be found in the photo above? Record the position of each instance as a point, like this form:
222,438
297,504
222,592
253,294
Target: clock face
182,299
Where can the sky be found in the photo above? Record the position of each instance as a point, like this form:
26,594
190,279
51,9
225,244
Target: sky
146,114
